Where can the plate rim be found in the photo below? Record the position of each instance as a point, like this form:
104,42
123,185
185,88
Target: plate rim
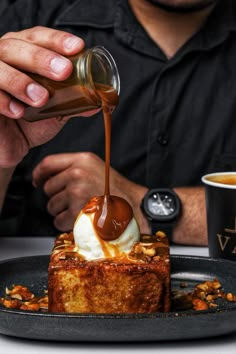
154,327
170,314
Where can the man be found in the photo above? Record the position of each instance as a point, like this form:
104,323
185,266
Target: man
174,122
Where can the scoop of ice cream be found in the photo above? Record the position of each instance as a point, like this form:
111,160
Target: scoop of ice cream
92,246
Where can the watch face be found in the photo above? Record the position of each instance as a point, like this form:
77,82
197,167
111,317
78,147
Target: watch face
161,204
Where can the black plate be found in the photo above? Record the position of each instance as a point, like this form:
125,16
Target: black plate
32,272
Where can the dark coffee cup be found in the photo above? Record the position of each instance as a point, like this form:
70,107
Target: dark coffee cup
221,214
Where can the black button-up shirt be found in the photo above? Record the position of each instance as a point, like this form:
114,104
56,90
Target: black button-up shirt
176,119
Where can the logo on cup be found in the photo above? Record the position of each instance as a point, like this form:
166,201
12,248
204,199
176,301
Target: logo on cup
226,241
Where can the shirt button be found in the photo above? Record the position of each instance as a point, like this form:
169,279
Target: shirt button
162,139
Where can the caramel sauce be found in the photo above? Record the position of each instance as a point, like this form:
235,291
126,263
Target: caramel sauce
67,98
112,214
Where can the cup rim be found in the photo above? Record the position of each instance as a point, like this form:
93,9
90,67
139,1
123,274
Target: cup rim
216,184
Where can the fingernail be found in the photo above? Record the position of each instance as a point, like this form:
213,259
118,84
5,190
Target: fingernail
36,92
59,64
72,42
15,107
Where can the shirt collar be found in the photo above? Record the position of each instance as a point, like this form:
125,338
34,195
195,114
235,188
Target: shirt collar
220,24
91,13
109,14
117,14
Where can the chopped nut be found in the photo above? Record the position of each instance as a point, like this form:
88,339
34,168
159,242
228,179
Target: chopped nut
19,292
68,242
20,297
7,291
9,303
202,295
16,296
29,306
216,284
151,252
205,294
138,249
211,298
62,257
199,304
156,258
230,297
160,234
203,287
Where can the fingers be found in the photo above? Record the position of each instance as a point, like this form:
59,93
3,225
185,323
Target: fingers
50,166
59,41
34,58
57,203
21,86
64,221
64,214
40,50
68,179
56,183
37,50
10,107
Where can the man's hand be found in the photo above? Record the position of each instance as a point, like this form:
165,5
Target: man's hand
70,180
37,50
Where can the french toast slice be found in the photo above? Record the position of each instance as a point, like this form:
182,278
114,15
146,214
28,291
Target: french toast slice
135,283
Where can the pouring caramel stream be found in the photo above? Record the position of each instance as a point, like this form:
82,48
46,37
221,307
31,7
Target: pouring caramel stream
112,214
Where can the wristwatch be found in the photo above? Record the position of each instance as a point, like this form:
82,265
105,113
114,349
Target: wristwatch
162,208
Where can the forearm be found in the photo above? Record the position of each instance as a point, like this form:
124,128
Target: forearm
191,228
5,177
